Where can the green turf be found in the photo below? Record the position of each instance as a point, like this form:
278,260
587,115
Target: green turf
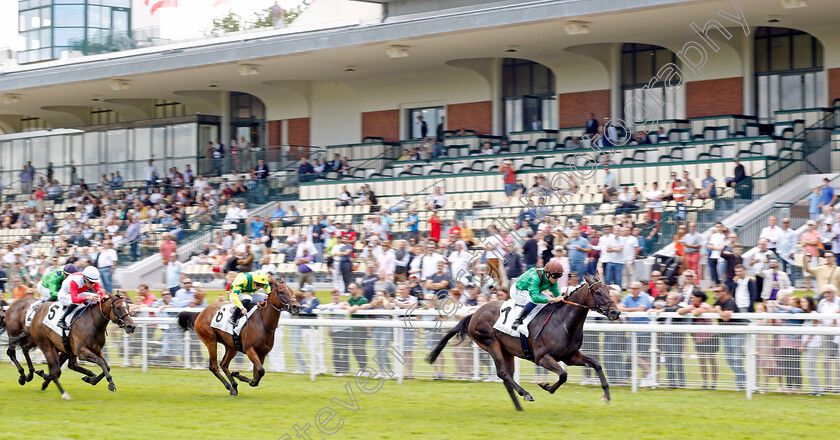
176,404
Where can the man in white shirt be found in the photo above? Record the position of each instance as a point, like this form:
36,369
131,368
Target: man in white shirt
106,262
387,261
654,198
460,262
771,233
629,253
612,251
232,215
428,262
150,174
759,262
437,200
717,241
830,304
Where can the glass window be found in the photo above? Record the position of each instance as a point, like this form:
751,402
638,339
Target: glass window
117,146
46,37
142,144
46,17
69,15
780,54
522,73
121,19
186,140
56,155
39,152
803,53
158,142
26,20
94,16
541,80
69,37
90,152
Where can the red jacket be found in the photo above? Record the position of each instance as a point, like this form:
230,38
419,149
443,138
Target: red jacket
77,285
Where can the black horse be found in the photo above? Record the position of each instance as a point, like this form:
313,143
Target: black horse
559,340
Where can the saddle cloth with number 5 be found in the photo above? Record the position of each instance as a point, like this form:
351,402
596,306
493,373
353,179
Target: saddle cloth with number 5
221,320
509,312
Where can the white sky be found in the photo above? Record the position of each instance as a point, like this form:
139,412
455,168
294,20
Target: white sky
201,14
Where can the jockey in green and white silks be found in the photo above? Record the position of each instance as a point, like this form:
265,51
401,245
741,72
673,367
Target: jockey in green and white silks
527,291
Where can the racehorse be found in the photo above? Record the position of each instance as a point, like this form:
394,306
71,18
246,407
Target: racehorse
85,340
555,334
15,319
257,334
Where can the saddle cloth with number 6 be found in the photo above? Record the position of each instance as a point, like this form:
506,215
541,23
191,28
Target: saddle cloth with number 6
509,312
221,320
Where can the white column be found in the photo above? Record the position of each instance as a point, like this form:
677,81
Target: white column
496,96
614,75
144,351
224,131
748,72
634,363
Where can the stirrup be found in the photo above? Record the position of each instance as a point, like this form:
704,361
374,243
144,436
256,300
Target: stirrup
516,323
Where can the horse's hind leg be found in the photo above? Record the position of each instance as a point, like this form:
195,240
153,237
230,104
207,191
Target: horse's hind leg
230,352
549,363
25,349
502,365
54,362
581,359
509,367
73,364
212,351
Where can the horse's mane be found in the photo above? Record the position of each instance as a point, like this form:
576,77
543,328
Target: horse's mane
3,303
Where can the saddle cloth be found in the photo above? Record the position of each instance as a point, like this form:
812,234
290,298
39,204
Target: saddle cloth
54,315
221,320
30,313
509,312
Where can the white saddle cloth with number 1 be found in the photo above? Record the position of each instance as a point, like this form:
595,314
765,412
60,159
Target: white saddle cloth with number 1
509,312
221,320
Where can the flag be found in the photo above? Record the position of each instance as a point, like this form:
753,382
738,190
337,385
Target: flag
163,4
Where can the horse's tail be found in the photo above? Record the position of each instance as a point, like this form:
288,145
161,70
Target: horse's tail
186,320
461,331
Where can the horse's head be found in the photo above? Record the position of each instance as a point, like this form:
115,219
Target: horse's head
115,308
599,298
282,298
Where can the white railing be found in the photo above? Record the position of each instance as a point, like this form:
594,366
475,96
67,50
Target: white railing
764,352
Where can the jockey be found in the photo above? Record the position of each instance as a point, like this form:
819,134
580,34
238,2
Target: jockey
49,286
74,288
241,289
528,288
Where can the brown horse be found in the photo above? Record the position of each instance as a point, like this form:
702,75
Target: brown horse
555,335
257,334
86,339
18,337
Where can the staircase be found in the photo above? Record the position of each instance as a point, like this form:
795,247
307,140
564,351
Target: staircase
816,145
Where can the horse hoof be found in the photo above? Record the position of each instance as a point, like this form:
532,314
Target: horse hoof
528,398
40,373
606,399
29,376
66,396
45,385
86,379
22,380
234,393
112,388
544,385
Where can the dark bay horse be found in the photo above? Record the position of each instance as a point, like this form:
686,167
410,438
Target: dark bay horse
257,336
86,339
18,337
559,340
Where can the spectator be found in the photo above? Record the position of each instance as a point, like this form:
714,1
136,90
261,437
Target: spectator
654,202
340,336
185,295
292,217
260,171
434,226
830,303
312,334
304,263
689,184
827,273
709,190
740,174
486,149
612,252
828,196
591,126
785,246
530,251
716,244
610,188
630,251
733,343
436,200
673,344
150,174
343,253
732,258
809,240
705,344
636,301
106,261
771,233
358,335
692,242
27,175
744,290
578,249
812,345
439,283
344,197
814,200
305,169
508,177
167,247
278,212
774,281
174,269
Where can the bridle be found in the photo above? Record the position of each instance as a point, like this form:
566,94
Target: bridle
598,307
285,307
119,320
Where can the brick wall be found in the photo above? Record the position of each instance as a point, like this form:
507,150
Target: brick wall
714,97
384,124
299,131
833,85
476,116
275,133
574,108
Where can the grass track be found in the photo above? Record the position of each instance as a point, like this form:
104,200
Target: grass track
176,404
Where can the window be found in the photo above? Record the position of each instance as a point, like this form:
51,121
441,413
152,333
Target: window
434,119
528,92
645,100
789,73
165,108
100,116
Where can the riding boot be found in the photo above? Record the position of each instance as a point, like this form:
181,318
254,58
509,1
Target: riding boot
235,316
518,321
67,312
